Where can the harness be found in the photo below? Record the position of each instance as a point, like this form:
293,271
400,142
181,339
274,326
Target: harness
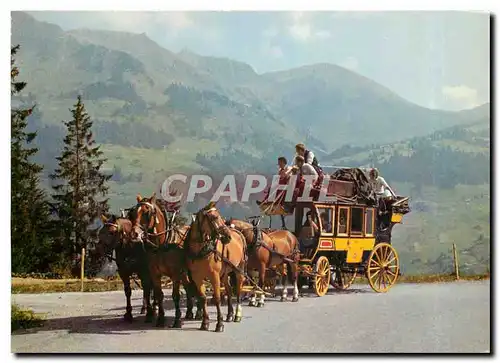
210,247
258,242
150,230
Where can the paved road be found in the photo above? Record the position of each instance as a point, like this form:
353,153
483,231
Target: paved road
448,317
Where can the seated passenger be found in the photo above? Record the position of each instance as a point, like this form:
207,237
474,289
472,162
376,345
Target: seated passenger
325,221
382,190
308,155
284,172
304,168
307,234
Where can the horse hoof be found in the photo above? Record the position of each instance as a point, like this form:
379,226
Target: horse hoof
204,326
283,299
177,324
259,305
295,299
128,317
189,316
219,328
229,318
237,319
251,303
143,311
198,316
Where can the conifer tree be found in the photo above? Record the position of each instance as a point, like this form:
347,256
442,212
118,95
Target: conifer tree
29,208
79,185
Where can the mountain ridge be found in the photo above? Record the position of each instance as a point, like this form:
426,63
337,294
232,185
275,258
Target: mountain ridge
127,77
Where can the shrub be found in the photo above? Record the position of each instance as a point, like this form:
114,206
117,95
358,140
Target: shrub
24,319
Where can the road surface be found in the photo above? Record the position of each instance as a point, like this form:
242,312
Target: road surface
443,317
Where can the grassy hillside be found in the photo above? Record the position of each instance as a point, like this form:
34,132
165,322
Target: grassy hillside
440,218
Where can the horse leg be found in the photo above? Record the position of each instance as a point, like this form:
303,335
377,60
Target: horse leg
284,283
128,292
239,287
144,303
158,297
176,297
147,285
190,293
229,294
295,277
201,313
215,281
262,280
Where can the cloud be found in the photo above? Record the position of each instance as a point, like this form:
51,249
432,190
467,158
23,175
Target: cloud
275,51
301,32
270,32
350,63
301,27
268,46
460,97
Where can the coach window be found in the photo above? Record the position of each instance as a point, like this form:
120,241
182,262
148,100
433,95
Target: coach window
357,220
325,215
343,221
369,222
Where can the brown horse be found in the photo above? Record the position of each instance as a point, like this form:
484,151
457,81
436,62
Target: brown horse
166,256
130,258
214,251
279,248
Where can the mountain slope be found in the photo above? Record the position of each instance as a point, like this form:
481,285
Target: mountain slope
220,103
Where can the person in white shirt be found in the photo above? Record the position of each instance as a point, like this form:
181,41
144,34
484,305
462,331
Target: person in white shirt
380,186
305,169
308,155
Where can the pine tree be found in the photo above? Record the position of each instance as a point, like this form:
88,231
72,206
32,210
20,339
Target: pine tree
79,182
29,208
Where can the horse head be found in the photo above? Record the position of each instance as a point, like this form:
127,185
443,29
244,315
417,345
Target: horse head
209,225
115,231
146,218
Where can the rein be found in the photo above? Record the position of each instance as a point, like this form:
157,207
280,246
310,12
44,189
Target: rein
211,247
170,229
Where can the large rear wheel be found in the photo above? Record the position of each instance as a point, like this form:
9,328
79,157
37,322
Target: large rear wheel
382,268
322,276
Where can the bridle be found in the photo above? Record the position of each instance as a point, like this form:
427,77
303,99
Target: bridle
209,241
149,228
118,238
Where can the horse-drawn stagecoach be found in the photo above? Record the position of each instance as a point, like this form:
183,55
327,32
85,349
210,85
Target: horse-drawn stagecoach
333,240
347,236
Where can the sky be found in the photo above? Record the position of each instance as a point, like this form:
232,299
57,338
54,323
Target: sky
435,59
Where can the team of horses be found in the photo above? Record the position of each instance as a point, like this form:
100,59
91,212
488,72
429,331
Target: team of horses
151,245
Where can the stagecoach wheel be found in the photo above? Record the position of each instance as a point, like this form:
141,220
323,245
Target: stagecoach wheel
343,279
382,269
322,276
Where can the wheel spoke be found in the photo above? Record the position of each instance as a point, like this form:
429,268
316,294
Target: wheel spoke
385,253
392,259
375,274
383,280
391,272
